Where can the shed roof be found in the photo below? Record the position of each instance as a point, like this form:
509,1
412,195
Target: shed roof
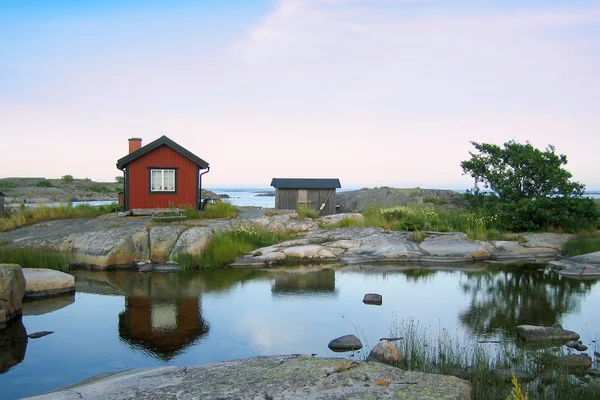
301,183
163,140
2,194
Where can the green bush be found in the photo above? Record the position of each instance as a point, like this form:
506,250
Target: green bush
529,189
7,185
67,178
571,214
100,189
43,183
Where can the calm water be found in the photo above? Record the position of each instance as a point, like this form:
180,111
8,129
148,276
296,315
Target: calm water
123,319
248,197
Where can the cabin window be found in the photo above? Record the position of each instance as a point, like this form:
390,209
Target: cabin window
162,180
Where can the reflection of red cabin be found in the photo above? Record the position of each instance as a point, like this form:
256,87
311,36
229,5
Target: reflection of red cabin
163,327
161,174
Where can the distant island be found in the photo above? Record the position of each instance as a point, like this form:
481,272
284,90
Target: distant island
67,189
266,193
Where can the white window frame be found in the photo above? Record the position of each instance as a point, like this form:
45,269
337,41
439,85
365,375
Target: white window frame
159,175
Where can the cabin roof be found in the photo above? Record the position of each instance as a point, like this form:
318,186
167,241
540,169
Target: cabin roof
305,183
163,140
2,194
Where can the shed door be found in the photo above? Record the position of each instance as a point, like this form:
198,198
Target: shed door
302,196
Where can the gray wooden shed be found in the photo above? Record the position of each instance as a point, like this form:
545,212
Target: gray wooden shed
2,203
318,194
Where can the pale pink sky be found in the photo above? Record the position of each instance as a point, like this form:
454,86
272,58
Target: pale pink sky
371,92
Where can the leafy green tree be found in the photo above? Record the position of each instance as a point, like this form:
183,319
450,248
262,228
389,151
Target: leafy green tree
119,179
520,171
529,189
67,178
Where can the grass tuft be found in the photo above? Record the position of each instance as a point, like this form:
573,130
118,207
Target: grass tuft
34,257
307,212
225,247
29,216
346,223
218,210
582,243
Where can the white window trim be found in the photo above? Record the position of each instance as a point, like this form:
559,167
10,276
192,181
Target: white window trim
160,186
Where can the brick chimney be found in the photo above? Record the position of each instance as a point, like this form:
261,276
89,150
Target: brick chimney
134,144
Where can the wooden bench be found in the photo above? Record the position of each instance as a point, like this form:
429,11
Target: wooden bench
168,213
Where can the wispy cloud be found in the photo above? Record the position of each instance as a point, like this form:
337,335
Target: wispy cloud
398,86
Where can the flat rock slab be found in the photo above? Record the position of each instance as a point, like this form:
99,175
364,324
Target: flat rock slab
573,361
41,282
544,334
373,298
586,266
275,377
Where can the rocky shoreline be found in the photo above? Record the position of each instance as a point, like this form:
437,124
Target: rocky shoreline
276,377
110,241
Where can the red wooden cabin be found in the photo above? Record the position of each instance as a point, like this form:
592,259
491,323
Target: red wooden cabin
161,174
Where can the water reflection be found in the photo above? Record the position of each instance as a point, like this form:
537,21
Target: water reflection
502,298
163,327
320,282
163,311
48,305
13,344
161,285
153,319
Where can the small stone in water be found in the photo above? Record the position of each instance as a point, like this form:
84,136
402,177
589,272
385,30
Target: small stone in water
345,343
39,334
373,298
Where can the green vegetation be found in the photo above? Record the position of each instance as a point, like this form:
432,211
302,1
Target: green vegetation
7,185
34,257
516,393
43,183
101,189
419,236
67,178
34,215
225,247
305,211
482,365
212,211
582,243
530,189
436,201
419,218
119,179
347,223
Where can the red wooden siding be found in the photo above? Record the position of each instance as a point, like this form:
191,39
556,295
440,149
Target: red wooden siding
162,157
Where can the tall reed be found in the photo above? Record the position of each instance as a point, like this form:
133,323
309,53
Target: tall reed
486,365
34,257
